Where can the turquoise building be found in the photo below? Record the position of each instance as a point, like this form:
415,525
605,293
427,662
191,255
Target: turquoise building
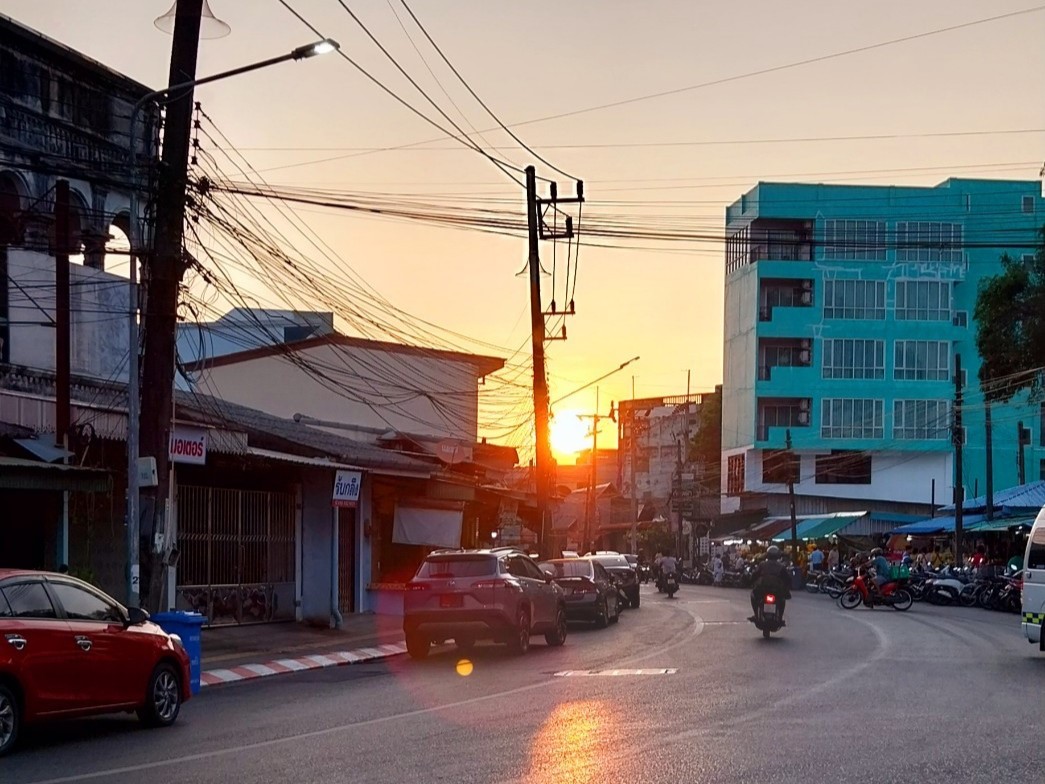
845,306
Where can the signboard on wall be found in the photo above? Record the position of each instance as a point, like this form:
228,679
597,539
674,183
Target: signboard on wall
188,445
346,489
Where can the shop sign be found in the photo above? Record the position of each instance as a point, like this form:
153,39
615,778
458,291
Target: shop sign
188,445
346,488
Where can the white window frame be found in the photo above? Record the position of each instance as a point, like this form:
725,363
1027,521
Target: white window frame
921,419
847,358
930,241
842,295
929,353
923,308
852,240
852,418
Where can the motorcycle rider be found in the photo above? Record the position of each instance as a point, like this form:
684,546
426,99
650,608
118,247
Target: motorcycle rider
770,577
881,567
668,565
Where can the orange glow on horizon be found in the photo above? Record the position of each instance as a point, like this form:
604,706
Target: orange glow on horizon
569,435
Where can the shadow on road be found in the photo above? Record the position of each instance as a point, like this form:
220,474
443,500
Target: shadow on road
44,736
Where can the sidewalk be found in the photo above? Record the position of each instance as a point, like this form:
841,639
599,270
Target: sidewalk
235,653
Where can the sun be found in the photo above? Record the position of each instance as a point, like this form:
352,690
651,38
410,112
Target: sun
569,434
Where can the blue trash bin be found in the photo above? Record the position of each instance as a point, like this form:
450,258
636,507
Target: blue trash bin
188,626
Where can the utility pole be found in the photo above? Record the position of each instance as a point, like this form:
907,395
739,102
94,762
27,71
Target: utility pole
957,438
990,458
62,347
591,506
633,434
536,231
1021,457
791,499
163,269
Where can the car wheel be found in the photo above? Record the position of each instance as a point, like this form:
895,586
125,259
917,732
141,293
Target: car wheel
10,719
558,636
162,698
635,601
615,618
602,617
417,646
520,641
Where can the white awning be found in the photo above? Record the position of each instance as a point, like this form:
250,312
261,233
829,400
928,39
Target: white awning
434,527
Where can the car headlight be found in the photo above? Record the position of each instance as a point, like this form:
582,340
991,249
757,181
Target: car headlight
176,639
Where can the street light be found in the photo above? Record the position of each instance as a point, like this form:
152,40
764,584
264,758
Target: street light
324,46
595,381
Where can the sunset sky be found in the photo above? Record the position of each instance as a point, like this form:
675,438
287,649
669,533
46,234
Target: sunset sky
541,58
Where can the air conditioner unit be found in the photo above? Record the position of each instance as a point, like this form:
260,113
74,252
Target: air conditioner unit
806,344
803,404
807,285
804,356
806,298
803,417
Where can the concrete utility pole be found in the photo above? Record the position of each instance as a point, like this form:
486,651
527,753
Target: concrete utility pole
62,347
162,273
990,458
536,231
1021,456
591,506
957,439
791,500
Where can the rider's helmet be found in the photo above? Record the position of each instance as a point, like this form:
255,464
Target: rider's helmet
773,553
876,552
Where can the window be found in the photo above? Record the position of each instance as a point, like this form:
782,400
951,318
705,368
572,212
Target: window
601,573
81,605
854,239
780,466
1028,205
735,475
922,360
844,358
843,467
851,418
1036,551
929,241
854,299
460,566
5,608
29,600
1041,428
1041,475
923,300
921,419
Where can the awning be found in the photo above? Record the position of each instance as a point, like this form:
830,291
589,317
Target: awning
1004,524
43,450
819,527
766,530
433,525
19,474
937,525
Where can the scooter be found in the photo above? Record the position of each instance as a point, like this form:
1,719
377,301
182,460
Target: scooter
768,618
671,584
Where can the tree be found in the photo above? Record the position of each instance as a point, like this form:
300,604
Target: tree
705,448
1010,326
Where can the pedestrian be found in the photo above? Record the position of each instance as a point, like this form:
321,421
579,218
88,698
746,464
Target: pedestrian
717,569
816,559
833,558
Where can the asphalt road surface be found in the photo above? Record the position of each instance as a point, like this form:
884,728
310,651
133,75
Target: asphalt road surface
931,695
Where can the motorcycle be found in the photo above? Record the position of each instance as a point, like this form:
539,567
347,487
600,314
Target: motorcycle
671,584
768,619
892,594
645,573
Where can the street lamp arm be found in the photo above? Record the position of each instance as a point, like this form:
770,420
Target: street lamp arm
595,381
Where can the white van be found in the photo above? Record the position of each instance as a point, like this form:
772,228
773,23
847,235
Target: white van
1034,583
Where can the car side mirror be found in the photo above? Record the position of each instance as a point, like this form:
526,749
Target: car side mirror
136,616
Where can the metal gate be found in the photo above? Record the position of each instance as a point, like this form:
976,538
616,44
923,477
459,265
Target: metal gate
236,547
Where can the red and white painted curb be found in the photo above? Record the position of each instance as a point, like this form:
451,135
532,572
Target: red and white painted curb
246,672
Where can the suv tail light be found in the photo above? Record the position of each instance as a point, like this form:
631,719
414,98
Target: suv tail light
511,585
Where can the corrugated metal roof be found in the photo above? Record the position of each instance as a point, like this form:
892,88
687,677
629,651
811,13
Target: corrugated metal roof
322,462
1027,496
19,474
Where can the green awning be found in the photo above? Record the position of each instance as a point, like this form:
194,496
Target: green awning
19,474
820,527
1003,524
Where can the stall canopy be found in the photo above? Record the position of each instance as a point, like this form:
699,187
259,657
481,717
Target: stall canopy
939,525
428,524
822,526
1004,524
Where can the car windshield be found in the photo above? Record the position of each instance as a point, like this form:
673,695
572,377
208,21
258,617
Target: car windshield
457,566
612,561
568,568
632,559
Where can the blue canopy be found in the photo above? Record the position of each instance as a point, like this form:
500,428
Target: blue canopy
936,525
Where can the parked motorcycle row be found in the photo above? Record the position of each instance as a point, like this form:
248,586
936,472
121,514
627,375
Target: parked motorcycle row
945,586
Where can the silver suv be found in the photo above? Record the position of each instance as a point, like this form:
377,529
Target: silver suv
470,595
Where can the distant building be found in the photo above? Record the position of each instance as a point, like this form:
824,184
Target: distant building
844,309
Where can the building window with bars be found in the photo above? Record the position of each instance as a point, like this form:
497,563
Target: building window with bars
923,300
929,241
843,467
921,420
735,475
922,360
851,418
854,299
845,358
854,240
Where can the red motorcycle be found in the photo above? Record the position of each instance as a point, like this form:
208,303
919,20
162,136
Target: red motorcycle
892,594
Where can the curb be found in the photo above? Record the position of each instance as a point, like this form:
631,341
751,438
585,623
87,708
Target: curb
247,672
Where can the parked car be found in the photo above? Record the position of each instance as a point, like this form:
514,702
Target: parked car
68,650
471,595
622,571
591,593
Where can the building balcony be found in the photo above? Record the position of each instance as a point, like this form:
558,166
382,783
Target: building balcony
784,379
776,293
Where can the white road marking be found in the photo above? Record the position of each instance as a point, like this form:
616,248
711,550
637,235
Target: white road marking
612,673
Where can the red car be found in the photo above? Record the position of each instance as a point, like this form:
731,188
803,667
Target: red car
69,650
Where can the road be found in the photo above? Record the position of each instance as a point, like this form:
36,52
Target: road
935,694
